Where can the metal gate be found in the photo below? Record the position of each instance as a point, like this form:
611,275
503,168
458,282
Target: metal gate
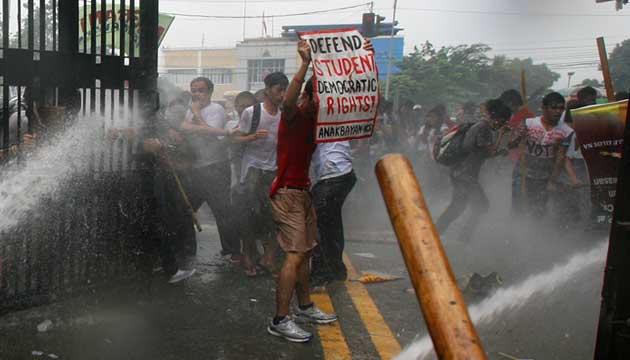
63,62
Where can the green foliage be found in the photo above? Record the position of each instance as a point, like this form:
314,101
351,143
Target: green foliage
619,64
592,82
22,40
456,74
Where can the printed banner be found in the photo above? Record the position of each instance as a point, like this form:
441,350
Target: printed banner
345,85
599,130
110,20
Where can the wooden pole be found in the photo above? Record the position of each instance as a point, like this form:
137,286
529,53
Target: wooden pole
182,191
441,301
603,59
524,88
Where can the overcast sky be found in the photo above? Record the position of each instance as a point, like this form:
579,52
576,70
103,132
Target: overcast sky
558,32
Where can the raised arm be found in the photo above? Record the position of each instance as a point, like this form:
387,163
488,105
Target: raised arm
289,105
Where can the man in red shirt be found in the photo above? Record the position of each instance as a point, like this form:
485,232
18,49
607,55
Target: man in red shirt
292,207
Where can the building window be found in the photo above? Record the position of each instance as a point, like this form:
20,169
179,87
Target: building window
181,77
218,76
258,69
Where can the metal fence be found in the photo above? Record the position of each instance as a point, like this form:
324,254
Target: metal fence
62,62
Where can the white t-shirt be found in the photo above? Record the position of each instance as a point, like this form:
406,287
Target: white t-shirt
261,153
331,160
541,146
209,149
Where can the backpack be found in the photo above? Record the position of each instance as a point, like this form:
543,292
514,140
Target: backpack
449,149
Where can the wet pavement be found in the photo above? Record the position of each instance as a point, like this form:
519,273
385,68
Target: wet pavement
221,314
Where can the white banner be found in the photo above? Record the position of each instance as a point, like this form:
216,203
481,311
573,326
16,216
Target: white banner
346,88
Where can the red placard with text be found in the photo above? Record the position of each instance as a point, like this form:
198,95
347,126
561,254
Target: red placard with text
346,88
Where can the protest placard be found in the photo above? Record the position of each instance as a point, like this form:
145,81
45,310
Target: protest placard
346,88
600,130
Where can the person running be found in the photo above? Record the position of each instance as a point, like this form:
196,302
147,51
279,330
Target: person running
546,141
479,145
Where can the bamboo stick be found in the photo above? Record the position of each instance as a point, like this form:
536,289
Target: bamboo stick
603,59
441,301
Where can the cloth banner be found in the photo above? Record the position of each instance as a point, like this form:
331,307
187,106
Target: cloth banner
110,20
599,130
345,85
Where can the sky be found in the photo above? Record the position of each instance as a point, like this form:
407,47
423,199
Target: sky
560,33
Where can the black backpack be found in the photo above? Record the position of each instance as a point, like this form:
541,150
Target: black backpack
449,149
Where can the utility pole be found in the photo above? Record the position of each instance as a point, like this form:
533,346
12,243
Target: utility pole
244,16
570,73
389,56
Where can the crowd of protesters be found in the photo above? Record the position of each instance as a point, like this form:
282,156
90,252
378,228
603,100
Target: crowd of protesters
273,191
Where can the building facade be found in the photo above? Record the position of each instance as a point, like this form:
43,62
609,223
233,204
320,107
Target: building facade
245,66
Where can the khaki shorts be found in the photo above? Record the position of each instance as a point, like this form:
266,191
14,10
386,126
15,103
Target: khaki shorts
294,214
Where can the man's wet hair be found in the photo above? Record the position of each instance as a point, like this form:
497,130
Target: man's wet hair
308,88
497,109
553,98
512,98
244,96
621,95
276,78
587,91
204,79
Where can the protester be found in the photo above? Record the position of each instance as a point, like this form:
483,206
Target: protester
172,219
573,194
432,130
477,146
203,126
242,101
467,113
546,141
292,207
334,179
258,130
587,96
513,100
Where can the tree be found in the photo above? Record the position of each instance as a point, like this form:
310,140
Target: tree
456,74
620,66
48,24
591,82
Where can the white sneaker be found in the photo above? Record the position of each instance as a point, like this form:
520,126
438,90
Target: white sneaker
181,275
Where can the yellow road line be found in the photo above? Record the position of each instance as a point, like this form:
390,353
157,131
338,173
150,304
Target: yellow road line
382,337
331,337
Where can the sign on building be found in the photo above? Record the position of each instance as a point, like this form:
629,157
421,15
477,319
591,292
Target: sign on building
110,20
346,87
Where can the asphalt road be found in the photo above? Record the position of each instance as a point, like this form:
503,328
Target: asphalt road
221,314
